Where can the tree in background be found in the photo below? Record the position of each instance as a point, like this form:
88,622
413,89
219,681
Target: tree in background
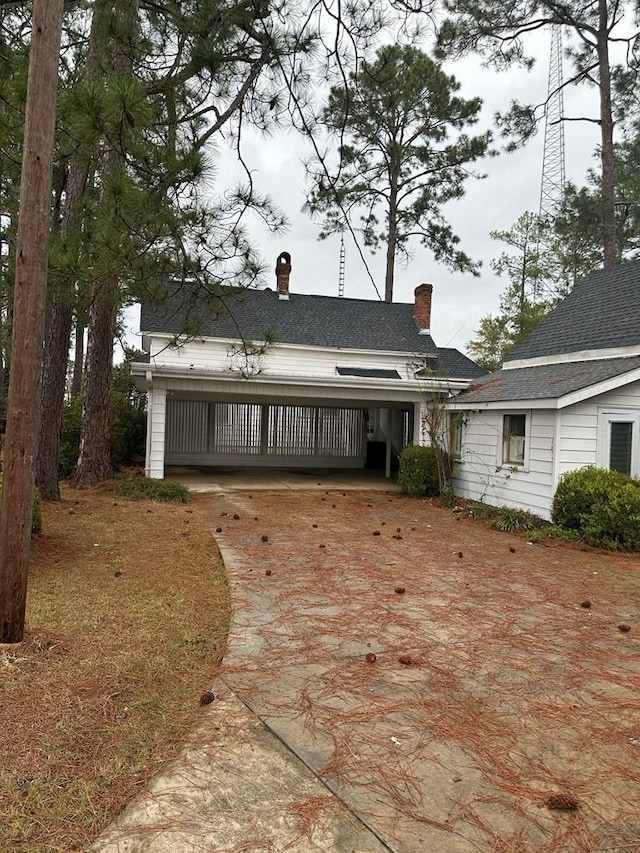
497,30
528,296
552,258
578,230
147,94
154,85
403,154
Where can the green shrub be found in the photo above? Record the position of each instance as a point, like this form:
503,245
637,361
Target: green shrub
616,523
127,429
579,492
137,488
418,472
448,497
70,436
602,506
127,432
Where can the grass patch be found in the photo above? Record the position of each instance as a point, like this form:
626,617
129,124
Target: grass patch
127,615
511,520
554,531
137,488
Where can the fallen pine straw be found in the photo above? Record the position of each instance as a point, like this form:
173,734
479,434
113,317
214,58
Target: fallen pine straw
496,703
127,618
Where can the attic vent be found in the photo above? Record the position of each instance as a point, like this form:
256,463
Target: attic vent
370,373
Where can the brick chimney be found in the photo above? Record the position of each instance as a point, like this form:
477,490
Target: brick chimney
422,309
283,270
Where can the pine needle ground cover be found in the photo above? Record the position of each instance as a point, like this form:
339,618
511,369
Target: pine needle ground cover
127,617
464,690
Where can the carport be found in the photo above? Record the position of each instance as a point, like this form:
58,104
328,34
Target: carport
218,429
276,379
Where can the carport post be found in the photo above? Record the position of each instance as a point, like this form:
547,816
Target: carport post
387,432
417,423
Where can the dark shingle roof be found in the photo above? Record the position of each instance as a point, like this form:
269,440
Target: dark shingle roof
324,321
548,381
453,363
602,312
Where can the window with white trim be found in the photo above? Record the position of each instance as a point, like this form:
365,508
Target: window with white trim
620,446
514,436
456,433
618,440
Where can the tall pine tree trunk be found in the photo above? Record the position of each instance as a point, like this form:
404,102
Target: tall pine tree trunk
392,238
94,461
611,249
78,358
54,373
16,507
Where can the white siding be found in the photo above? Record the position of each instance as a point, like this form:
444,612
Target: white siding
280,360
157,408
579,427
578,434
480,475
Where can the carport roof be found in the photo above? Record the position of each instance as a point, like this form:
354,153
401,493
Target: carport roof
308,320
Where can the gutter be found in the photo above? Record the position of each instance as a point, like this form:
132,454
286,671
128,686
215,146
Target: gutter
415,386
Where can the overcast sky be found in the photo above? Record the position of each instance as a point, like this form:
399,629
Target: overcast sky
495,203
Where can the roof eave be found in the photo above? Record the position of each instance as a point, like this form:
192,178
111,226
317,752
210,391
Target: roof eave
570,357
599,388
446,384
493,405
405,354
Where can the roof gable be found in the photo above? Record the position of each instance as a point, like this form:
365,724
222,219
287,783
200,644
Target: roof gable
602,313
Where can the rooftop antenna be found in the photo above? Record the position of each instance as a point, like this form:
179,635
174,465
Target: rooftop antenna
341,269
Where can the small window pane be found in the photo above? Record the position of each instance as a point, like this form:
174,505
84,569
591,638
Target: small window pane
620,447
513,439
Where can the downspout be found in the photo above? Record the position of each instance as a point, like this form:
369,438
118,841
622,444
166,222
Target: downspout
147,454
387,433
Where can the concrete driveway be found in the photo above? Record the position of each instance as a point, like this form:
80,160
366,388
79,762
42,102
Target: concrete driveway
401,679
229,479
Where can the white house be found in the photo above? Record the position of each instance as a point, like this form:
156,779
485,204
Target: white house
339,383
568,397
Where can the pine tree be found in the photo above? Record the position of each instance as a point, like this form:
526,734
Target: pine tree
404,153
29,309
498,32
527,298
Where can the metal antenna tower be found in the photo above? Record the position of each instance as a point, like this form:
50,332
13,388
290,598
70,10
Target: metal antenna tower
553,159
341,270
